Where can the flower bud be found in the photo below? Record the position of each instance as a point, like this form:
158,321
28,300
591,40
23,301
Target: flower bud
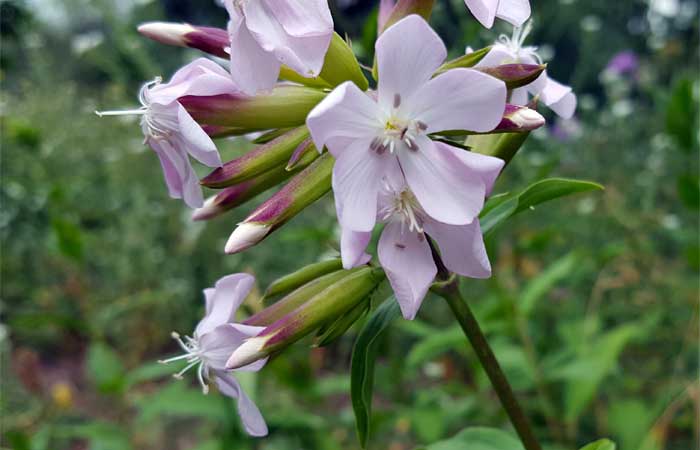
465,61
296,298
302,276
304,154
515,75
518,119
261,159
304,189
214,41
326,306
283,107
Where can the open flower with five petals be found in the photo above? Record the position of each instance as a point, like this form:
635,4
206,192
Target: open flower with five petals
170,130
390,134
215,338
268,33
511,50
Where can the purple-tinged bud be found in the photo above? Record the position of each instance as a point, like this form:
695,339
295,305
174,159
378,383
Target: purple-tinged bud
404,8
515,75
214,41
326,306
261,159
283,107
517,119
304,154
302,190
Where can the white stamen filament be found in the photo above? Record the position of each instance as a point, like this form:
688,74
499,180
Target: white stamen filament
404,207
193,355
516,41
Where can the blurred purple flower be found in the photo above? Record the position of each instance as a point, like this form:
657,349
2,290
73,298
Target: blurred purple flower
625,62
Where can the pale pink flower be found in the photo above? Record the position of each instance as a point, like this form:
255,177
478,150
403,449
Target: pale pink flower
510,50
170,130
268,33
371,138
515,12
403,249
215,338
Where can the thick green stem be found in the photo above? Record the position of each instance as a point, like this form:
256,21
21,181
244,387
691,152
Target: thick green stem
450,292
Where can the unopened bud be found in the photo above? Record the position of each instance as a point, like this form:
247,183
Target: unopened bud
519,119
302,190
302,276
326,306
214,41
259,160
515,75
304,154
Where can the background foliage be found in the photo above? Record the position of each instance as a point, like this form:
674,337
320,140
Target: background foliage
593,311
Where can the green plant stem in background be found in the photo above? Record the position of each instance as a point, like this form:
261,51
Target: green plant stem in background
450,292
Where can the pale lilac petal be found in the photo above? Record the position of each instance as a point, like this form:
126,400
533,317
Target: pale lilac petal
386,7
357,176
519,96
253,69
461,248
515,12
497,56
559,98
217,345
200,145
352,247
538,84
201,77
180,178
303,52
483,10
303,17
249,331
208,299
347,112
231,291
408,53
251,418
459,99
408,263
475,165
445,190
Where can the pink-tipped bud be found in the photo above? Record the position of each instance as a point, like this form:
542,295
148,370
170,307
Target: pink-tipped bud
167,33
245,236
214,41
519,119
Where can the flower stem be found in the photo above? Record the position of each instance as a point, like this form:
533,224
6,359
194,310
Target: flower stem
450,292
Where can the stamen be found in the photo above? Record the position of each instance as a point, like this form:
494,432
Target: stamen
175,358
397,100
179,375
200,377
421,125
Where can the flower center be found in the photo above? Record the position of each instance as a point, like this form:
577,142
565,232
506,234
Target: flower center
397,131
404,207
194,357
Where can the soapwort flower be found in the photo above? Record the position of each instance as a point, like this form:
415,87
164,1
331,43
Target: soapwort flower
172,132
515,12
215,338
511,50
370,138
403,249
268,33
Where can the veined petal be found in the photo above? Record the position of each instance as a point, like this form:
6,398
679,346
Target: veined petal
253,69
357,176
444,189
253,421
459,99
515,12
559,98
475,165
217,345
200,145
201,77
301,18
498,55
347,112
352,247
408,263
230,292
179,176
408,53
483,10
461,248
518,96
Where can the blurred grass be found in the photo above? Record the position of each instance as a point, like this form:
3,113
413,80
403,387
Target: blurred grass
593,311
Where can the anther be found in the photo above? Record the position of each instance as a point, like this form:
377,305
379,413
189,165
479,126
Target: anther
397,100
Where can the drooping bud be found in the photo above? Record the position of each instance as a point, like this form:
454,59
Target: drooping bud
214,41
515,75
261,159
296,298
323,307
283,107
304,189
302,276
465,61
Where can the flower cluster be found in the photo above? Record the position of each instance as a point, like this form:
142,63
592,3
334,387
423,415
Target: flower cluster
393,154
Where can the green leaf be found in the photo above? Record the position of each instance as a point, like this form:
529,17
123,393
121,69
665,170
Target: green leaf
105,368
69,238
602,444
149,372
478,438
681,114
362,365
539,192
433,345
546,280
100,435
689,190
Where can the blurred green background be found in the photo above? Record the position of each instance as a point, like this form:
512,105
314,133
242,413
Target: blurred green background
593,309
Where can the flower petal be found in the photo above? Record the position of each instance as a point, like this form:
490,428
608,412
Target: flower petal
201,77
498,55
347,112
253,69
445,190
408,263
483,10
515,12
408,53
200,145
461,248
352,247
559,98
231,291
459,99
303,17
475,165
180,178
253,421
